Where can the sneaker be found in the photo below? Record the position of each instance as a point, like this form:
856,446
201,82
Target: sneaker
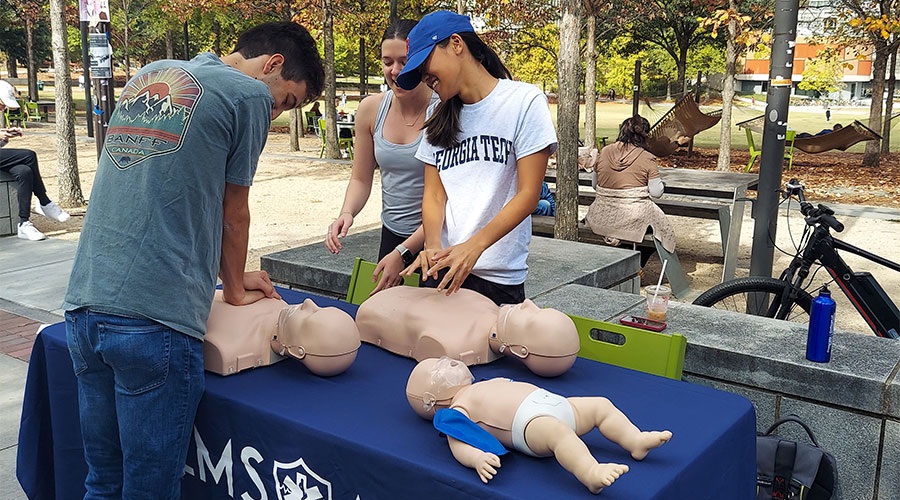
52,211
27,231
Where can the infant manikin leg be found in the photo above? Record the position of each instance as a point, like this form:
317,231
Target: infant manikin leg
549,436
614,425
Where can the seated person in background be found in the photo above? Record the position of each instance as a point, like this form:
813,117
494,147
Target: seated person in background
23,165
801,135
324,339
546,204
482,419
625,176
425,323
315,109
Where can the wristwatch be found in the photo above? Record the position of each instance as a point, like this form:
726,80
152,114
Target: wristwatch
405,254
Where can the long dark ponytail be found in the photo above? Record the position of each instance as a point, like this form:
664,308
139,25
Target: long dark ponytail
442,129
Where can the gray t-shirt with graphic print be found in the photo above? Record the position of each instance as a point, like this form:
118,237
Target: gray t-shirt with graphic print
152,237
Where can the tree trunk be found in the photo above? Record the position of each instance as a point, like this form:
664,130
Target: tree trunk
332,149
889,105
363,77
681,64
67,158
872,157
127,55
32,65
590,85
170,44
217,41
668,89
11,68
184,40
296,127
566,226
460,6
724,162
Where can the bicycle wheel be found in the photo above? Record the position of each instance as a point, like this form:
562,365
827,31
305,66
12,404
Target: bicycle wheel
756,295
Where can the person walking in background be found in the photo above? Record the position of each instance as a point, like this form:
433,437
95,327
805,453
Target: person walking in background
162,223
388,133
23,165
485,151
827,112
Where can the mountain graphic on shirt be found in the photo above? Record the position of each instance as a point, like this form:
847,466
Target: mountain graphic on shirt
152,115
151,107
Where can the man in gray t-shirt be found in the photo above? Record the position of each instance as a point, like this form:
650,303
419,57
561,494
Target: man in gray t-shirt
168,213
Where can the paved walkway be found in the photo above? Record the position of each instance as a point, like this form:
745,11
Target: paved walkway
33,279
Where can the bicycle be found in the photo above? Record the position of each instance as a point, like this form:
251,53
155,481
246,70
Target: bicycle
787,297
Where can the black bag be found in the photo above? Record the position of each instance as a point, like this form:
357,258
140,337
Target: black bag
788,469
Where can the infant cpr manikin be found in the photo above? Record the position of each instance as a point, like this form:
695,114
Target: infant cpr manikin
324,339
423,323
482,419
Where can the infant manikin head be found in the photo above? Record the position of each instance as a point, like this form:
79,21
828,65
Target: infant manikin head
546,340
324,339
434,382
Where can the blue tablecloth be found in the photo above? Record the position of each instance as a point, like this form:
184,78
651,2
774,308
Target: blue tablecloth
261,432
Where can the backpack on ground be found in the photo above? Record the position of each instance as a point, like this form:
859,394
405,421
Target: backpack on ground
788,469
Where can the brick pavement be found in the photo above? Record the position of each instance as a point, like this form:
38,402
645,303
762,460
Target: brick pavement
17,335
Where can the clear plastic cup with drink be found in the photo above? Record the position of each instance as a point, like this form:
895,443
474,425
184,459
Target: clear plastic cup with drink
657,301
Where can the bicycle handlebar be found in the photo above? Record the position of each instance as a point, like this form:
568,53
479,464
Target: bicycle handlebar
814,215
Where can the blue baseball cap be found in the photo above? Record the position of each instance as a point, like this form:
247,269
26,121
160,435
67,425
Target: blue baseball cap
430,30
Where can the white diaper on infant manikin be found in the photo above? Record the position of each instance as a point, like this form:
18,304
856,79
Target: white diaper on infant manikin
540,403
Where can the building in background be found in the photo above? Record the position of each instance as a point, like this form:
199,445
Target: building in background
814,19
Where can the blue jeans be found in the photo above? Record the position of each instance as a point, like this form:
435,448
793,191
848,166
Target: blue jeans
543,208
139,384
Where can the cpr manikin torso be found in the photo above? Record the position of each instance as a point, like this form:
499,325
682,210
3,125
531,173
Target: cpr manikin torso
423,323
325,339
528,419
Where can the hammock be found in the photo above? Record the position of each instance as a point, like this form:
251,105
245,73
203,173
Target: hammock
840,139
678,125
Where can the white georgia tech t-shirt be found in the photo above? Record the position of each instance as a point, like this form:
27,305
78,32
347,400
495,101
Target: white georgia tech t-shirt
480,176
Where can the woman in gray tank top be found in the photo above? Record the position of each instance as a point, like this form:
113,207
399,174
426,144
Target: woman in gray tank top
388,132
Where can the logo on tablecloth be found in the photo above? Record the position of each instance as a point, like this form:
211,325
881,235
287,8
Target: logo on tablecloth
296,481
152,116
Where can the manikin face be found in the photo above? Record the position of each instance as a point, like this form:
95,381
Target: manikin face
434,382
440,71
324,339
393,58
546,340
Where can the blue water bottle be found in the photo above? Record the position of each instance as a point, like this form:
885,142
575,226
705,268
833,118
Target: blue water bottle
821,327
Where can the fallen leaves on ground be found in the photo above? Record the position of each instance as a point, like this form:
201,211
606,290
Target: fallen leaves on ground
833,176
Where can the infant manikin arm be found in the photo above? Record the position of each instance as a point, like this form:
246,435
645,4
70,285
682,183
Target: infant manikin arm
484,463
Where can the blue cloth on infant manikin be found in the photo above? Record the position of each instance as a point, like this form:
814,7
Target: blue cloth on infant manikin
456,425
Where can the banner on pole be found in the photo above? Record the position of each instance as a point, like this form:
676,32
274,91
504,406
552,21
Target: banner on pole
101,56
93,11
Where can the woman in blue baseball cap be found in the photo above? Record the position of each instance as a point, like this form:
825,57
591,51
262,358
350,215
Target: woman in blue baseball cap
388,132
485,150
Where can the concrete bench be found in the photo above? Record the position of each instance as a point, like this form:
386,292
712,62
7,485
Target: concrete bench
551,264
851,403
9,204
